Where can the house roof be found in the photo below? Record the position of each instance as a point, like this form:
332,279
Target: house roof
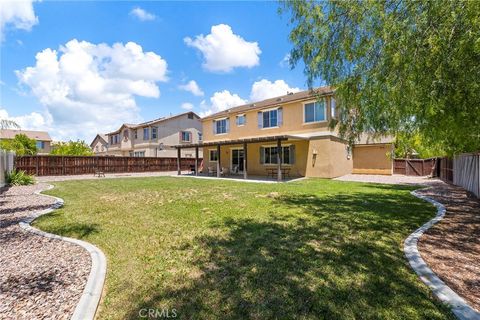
366,139
298,96
99,136
147,123
37,135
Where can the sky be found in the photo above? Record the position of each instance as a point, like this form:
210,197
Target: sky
76,69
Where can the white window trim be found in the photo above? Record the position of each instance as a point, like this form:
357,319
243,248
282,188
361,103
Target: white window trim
276,164
324,109
215,124
267,110
241,115
190,133
210,155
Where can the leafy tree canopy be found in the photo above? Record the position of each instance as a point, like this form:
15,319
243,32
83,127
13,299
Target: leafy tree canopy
398,67
71,148
21,144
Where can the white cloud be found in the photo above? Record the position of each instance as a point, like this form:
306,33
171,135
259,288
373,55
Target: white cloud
220,101
285,62
89,88
187,106
223,50
193,88
265,89
142,15
17,15
32,121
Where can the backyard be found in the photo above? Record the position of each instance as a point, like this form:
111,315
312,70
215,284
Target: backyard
229,250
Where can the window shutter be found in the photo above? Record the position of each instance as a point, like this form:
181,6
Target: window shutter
280,116
214,126
260,120
292,154
227,125
262,154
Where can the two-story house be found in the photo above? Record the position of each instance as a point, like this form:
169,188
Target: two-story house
99,145
42,138
154,138
287,135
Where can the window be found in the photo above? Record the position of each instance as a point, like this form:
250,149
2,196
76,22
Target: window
145,133
270,118
190,116
268,155
40,144
213,155
220,126
315,111
114,139
154,132
135,134
241,120
186,136
96,148
333,107
139,154
200,136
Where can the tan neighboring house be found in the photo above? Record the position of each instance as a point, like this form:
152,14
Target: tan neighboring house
44,142
154,138
247,139
99,145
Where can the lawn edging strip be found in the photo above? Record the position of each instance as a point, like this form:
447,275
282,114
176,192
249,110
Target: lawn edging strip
444,293
90,299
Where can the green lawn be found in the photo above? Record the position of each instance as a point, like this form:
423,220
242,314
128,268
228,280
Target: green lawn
228,250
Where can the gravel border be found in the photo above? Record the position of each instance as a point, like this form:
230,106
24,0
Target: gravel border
444,293
92,293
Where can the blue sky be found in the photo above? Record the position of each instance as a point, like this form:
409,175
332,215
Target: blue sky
232,51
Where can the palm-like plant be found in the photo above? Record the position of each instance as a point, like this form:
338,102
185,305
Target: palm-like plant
7,124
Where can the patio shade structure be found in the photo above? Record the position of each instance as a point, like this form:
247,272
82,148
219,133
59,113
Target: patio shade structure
243,142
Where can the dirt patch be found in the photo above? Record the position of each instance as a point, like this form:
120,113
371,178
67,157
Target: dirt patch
451,248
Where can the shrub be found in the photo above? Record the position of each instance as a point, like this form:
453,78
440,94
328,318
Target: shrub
19,178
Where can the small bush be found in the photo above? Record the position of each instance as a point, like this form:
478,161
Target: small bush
19,178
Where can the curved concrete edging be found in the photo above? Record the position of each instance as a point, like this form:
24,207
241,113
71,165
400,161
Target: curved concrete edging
459,306
87,306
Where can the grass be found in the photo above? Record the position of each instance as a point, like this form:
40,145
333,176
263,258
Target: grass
227,250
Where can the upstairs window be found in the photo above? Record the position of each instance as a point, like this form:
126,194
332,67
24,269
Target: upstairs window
241,120
333,107
270,118
200,136
146,133
315,112
154,132
135,134
220,126
40,144
186,136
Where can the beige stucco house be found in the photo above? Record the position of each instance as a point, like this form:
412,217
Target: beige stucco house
246,139
44,142
154,138
99,144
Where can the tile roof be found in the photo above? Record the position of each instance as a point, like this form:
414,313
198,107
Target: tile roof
37,135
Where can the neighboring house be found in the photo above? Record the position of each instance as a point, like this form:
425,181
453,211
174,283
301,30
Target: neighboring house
248,136
99,145
44,142
156,138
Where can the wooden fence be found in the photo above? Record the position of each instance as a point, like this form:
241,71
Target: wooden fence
444,169
73,165
414,167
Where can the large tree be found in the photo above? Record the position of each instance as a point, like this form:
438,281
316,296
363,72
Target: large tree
409,67
71,148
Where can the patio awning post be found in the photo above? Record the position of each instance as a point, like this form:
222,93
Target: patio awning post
179,155
245,175
279,160
196,161
219,167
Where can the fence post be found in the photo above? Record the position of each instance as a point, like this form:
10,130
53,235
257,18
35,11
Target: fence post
63,165
36,169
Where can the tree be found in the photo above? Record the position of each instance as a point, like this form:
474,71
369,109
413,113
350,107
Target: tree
71,148
21,144
398,66
7,124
